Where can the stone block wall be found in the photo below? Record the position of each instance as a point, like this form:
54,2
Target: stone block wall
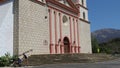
85,37
32,28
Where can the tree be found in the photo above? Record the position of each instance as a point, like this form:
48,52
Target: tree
112,46
95,45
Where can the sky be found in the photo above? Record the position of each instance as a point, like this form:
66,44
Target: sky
104,14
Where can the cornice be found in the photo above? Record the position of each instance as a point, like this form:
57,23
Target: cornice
72,4
84,20
82,6
71,9
36,1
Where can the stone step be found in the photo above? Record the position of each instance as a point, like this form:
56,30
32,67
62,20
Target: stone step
35,60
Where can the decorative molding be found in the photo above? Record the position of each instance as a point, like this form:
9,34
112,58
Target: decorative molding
63,12
84,20
84,7
37,1
70,33
51,48
55,25
78,35
72,4
60,25
71,9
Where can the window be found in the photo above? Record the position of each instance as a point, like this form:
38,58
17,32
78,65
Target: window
82,2
65,20
83,15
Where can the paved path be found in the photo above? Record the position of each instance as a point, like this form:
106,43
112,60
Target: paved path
109,64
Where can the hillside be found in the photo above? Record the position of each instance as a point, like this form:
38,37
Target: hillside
105,35
112,46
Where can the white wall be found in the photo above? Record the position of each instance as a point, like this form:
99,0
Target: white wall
6,29
85,37
81,13
85,2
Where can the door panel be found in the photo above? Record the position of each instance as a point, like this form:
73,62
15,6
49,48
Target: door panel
66,45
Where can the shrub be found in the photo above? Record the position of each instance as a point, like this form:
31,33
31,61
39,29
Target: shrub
6,60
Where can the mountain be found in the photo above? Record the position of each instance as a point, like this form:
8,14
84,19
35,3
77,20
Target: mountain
104,35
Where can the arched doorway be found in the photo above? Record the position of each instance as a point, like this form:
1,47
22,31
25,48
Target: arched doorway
66,45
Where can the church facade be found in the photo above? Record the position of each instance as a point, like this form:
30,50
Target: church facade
51,27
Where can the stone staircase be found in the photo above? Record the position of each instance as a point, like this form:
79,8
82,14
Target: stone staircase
35,60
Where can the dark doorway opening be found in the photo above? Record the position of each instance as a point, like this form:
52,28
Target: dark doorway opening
66,45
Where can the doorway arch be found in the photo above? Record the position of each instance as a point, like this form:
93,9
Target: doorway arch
66,45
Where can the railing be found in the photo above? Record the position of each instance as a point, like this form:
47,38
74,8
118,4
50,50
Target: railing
26,52
18,62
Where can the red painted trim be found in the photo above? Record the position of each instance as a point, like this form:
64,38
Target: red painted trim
72,4
78,35
60,49
74,24
55,27
56,48
70,34
55,24
64,12
76,2
70,30
51,48
79,13
60,26
60,23
50,25
74,10
75,49
74,31
50,29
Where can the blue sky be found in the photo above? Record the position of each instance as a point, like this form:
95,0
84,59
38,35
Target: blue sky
104,14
